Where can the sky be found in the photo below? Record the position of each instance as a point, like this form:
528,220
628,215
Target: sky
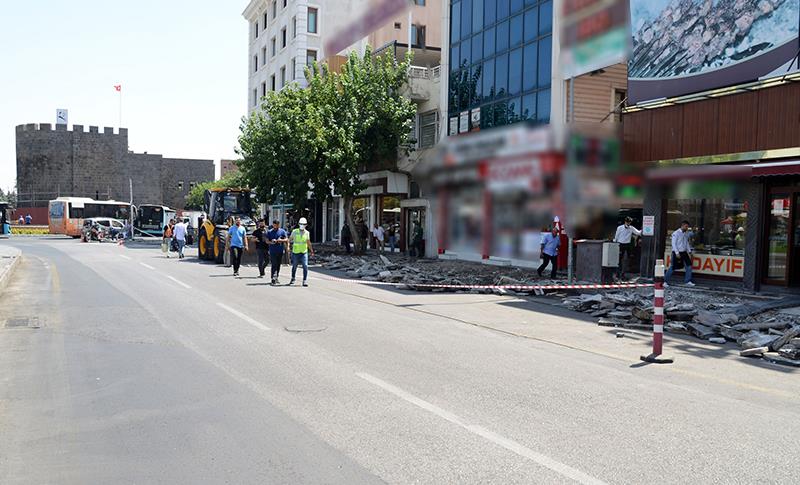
182,65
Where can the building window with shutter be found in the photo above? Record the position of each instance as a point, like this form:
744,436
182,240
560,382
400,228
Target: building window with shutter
312,20
418,36
428,128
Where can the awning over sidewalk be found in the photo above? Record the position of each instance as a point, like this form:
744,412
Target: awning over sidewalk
722,172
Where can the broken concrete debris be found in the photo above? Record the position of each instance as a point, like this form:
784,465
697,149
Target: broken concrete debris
756,325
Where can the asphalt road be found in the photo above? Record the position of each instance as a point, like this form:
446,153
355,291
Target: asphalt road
118,365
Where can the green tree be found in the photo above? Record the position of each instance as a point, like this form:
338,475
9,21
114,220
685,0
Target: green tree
320,139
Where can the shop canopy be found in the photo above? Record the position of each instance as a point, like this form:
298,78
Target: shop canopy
722,172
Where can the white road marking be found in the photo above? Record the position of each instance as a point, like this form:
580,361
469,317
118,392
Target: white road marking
125,257
179,282
495,438
147,266
243,316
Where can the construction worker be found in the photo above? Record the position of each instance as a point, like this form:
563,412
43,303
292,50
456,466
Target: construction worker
301,247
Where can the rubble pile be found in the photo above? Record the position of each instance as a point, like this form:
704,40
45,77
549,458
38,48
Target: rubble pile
756,326
411,272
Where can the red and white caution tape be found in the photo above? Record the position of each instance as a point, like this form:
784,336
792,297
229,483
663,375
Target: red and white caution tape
492,287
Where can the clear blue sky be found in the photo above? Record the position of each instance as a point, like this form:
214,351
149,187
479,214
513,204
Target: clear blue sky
182,65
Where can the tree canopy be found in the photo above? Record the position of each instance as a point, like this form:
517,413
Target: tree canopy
317,141
231,179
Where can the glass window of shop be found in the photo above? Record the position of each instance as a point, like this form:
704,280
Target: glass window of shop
499,58
333,225
717,233
465,219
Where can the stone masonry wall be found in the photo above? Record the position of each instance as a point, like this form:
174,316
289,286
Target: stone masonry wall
53,162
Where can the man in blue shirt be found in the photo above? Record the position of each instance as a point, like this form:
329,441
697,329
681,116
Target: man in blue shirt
238,237
549,251
277,239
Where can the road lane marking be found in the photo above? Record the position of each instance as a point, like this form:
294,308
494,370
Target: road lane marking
176,280
125,257
495,438
147,266
243,316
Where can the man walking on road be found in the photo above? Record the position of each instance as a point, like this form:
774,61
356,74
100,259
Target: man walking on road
301,246
681,254
179,233
237,235
262,246
549,252
277,239
626,244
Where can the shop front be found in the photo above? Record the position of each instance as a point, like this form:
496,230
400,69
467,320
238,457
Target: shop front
744,231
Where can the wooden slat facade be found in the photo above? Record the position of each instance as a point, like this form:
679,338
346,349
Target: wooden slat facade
759,120
594,94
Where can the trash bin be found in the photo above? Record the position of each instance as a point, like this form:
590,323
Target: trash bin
6,228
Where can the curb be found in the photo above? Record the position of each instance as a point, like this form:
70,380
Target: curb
6,275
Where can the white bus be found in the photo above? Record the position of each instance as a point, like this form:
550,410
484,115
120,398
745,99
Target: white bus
151,219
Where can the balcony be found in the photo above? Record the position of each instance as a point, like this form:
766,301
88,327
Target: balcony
423,83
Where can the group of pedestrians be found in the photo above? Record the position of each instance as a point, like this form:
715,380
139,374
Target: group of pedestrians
270,248
174,232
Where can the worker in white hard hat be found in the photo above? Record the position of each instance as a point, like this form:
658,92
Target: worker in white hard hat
301,248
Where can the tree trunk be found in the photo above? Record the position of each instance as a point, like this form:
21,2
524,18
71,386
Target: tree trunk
355,233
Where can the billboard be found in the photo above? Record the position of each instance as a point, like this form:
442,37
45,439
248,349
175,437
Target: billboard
687,46
594,35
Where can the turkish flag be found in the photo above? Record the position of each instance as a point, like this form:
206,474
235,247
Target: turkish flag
118,87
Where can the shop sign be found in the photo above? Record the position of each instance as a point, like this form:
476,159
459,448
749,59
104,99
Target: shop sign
475,119
713,264
648,225
453,126
525,174
463,122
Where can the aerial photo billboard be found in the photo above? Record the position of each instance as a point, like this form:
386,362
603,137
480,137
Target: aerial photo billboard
687,46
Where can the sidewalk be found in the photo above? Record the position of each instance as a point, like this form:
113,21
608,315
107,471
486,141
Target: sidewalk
9,259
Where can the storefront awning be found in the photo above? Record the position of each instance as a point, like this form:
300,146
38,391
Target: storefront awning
776,168
722,172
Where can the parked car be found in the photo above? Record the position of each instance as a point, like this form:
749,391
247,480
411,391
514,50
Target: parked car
100,228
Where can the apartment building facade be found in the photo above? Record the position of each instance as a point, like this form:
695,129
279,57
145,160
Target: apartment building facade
287,35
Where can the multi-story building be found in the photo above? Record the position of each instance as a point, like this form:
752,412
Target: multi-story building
226,167
287,35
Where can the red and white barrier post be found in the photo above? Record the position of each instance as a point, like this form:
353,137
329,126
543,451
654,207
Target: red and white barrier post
658,318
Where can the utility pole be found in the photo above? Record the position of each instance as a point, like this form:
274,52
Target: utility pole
571,119
130,210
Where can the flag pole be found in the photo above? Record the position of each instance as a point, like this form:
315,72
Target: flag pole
120,106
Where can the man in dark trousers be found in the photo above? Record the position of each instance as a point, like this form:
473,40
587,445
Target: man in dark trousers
549,251
262,246
345,238
277,238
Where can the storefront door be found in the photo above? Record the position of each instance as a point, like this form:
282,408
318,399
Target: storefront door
783,238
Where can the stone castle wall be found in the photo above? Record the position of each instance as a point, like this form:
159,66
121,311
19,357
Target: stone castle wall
60,162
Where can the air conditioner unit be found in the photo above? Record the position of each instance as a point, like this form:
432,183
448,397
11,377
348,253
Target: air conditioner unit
610,255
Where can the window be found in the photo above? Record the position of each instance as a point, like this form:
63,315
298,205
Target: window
273,48
294,69
546,18
477,15
398,25
488,43
489,12
620,102
284,3
255,31
191,185
263,56
263,89
272,81
543,105
428,123
311,57
502,9
294,27
516,31
466,18
531,24
529,107
283,76
529,67
418,36
501,75
274,9
180,185
419,2
283,37
488,80
502,37
255,63
545,55
515,72
265,20
455,25
255,97
312,21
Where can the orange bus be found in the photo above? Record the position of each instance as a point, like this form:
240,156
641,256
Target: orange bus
66,214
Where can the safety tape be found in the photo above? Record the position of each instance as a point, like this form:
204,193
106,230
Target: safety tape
492,287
